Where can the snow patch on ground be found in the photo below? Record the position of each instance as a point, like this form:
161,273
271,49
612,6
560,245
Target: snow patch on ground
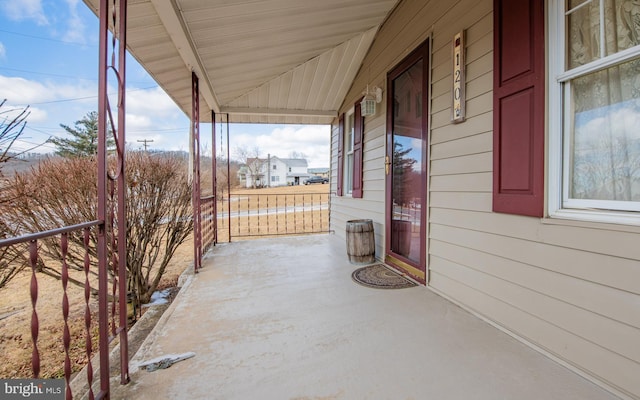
158,298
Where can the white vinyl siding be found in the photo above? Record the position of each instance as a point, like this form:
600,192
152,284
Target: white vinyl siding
371,205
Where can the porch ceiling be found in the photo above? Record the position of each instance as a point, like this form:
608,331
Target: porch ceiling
267,61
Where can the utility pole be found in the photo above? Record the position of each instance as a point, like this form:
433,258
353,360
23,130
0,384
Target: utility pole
145,141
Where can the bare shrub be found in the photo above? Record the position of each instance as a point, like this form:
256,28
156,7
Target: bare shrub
11,260
63,192
159,217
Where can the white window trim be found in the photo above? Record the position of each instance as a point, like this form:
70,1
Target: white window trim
557,150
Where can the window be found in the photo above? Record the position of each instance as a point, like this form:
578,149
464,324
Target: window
348,151
275,178
275,167
595,141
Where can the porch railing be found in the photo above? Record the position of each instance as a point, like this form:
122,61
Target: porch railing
256,215
72,243
207,222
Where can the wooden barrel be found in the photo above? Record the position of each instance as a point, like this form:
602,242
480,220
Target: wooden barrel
361,244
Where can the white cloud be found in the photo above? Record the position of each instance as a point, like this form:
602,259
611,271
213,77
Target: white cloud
621,122
152,115
3,52
24,10
75,24
152,101
24,91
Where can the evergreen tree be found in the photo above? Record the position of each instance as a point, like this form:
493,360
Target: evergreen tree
402,174
85,138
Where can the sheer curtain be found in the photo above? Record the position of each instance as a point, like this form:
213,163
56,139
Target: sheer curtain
604,115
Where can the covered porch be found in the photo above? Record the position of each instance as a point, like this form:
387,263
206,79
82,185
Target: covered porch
281,318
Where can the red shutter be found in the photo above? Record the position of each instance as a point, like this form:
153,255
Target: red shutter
358,135
340,154
518,107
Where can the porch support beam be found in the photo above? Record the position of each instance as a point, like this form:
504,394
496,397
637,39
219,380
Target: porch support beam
195,158
171,17
102,244
280,112
122,195
214,176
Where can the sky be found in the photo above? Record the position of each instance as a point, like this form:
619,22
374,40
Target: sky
49,62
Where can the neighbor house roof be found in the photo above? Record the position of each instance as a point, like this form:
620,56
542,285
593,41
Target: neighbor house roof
295,162
290,162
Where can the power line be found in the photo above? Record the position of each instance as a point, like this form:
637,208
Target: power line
129,131
48,39
177,130
44,144
61,76
90,97
48,74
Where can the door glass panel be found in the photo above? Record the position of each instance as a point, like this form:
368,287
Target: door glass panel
407,180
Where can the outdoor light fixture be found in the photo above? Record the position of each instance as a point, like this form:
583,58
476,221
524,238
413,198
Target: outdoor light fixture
368,103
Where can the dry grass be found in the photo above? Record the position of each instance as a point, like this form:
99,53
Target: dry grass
252,199
16,311
281,212
280,224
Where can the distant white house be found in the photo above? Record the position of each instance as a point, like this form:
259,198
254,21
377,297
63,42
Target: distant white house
273,171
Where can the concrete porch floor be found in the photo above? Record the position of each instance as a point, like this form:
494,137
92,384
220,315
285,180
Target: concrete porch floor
281,319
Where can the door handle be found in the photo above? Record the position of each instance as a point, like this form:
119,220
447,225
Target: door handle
387,164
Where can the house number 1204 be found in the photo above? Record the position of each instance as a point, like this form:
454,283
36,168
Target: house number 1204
458,77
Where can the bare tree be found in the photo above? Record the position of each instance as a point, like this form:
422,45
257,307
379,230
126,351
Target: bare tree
226,177
297,155
11,128
12,124
254,164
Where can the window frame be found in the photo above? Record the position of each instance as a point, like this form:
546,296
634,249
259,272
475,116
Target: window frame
559,85
348,155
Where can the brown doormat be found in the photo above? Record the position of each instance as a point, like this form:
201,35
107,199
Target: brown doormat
378,276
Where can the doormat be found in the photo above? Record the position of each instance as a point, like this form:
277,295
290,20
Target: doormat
378,276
